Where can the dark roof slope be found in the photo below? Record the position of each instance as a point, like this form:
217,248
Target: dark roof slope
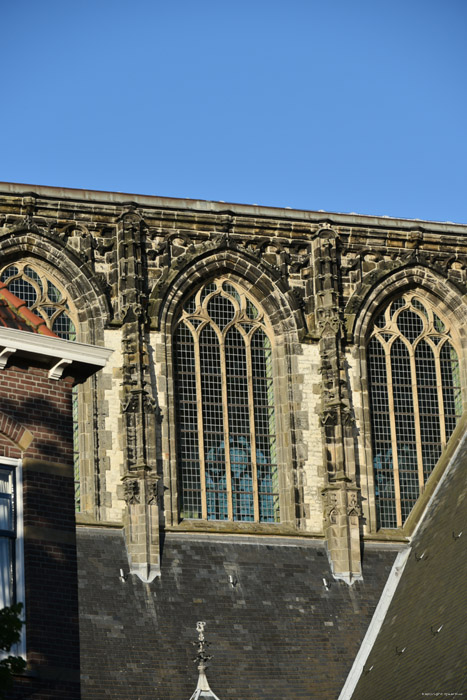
421,648
14,313
275,631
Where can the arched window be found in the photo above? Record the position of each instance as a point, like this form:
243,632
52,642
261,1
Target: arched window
42,295
227,456
45,296
416,401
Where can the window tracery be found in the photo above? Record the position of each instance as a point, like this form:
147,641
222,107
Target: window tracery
416,401
47,298
227,446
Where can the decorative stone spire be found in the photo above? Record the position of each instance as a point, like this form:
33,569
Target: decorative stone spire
202,657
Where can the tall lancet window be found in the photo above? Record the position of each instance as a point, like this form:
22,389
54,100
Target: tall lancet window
416,401
227,448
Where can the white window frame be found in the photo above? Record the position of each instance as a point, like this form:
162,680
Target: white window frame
20,594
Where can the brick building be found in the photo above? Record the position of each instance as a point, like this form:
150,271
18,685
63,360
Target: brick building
279,421
38,534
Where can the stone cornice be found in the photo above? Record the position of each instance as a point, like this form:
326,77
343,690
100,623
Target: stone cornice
118,199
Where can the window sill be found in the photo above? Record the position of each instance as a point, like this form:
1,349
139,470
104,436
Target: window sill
246,528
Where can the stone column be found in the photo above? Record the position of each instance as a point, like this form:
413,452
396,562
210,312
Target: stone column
340,495
140,478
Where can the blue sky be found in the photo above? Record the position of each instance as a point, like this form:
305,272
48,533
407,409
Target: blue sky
350,106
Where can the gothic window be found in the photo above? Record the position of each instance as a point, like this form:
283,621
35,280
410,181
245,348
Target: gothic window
48,299
227,451
42,295
416,401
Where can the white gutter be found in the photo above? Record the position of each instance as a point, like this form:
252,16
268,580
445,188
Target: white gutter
14,340
375,624
56,351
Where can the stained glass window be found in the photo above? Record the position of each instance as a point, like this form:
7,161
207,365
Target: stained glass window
416,401
227,455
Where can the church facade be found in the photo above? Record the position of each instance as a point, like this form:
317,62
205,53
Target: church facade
287,379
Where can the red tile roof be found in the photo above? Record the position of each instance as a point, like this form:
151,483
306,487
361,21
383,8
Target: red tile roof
14,313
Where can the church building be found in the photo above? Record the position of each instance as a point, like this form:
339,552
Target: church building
264,423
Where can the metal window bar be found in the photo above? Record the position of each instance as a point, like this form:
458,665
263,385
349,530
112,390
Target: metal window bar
228,390
415,399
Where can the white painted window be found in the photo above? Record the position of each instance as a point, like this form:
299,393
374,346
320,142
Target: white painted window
11,537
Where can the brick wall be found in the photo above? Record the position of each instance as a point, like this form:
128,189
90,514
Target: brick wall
30,401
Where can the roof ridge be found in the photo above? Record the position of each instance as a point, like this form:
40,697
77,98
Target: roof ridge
19,308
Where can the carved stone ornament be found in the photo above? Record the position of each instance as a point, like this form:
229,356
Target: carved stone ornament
131,491
353,507
328,319
153,491
130,404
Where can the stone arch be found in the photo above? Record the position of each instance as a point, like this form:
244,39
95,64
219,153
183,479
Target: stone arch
50,252
17,433
282,310
71,270
265,284
369,298
371,293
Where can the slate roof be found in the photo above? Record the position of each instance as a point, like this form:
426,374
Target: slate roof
14,313
276,633
421,649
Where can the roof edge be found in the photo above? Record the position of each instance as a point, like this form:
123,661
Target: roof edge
219,207
53,347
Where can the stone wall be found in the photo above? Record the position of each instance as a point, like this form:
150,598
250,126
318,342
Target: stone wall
127,262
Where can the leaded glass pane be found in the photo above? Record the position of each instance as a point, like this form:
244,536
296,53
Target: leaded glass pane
428,404
187,422
53,293
382,448
408,405
239,426
397,304
213,424
64,327
266,447
235,473
30,272
452,396
410,324
24,290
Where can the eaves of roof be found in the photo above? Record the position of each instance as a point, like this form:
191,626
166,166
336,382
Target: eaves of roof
219,207
57,354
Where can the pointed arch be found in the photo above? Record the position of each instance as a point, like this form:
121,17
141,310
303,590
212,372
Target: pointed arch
282,306
226,436
76,296
409,343
181,340
72,272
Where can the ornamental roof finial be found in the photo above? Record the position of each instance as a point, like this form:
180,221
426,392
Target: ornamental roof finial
202,657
